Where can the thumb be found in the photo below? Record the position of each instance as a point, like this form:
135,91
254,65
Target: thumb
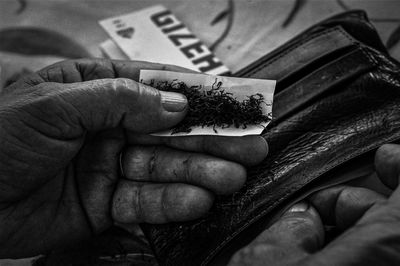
387,164
297,233
106,103
300,227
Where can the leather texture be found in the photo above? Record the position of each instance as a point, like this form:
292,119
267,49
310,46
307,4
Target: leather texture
337,100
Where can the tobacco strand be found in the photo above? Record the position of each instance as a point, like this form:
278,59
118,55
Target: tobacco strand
215,107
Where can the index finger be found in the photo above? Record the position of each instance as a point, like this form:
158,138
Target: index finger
343,206
71,71
247,150
288,241
387,164
90,69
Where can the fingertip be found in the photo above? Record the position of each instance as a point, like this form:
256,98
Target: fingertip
226,177
184,202
298,229
253,150
248,150
146,109
302,226
387,164
261,151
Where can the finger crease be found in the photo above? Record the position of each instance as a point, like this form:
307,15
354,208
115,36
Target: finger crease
152,162
138,206
334,211
175,174
114,70
186,163
164,209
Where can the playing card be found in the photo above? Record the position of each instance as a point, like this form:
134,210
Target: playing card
155,34
240,88
112,51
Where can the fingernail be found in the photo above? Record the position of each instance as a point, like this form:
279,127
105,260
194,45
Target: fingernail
299,207
172,101
266,146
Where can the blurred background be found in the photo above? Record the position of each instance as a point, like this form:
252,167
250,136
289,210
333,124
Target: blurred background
35,33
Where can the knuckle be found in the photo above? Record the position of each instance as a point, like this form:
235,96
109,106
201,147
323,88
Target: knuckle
140,96
145,90
95,69
138,204
189,167
387,152
139,163
55,72
127,203
114,85
345,196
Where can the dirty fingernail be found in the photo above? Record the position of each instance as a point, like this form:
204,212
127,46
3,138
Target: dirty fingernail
299,207
172,101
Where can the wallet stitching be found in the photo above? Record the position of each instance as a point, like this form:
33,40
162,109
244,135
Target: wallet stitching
259,68
335,61
337,28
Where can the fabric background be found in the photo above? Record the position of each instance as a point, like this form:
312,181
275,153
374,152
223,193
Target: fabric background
253,27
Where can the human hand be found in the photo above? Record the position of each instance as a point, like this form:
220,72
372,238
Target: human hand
369,222
62,131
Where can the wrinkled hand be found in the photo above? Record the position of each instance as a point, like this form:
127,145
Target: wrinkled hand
369,222
62,131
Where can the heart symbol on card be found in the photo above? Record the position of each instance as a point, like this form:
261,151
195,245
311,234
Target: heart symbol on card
126,33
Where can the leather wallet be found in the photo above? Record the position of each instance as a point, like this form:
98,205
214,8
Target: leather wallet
336,102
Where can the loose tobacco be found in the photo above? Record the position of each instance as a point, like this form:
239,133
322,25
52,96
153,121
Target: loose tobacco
215,107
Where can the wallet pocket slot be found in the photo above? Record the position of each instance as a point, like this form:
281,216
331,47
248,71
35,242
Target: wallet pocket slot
319,82
318,63
300,55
